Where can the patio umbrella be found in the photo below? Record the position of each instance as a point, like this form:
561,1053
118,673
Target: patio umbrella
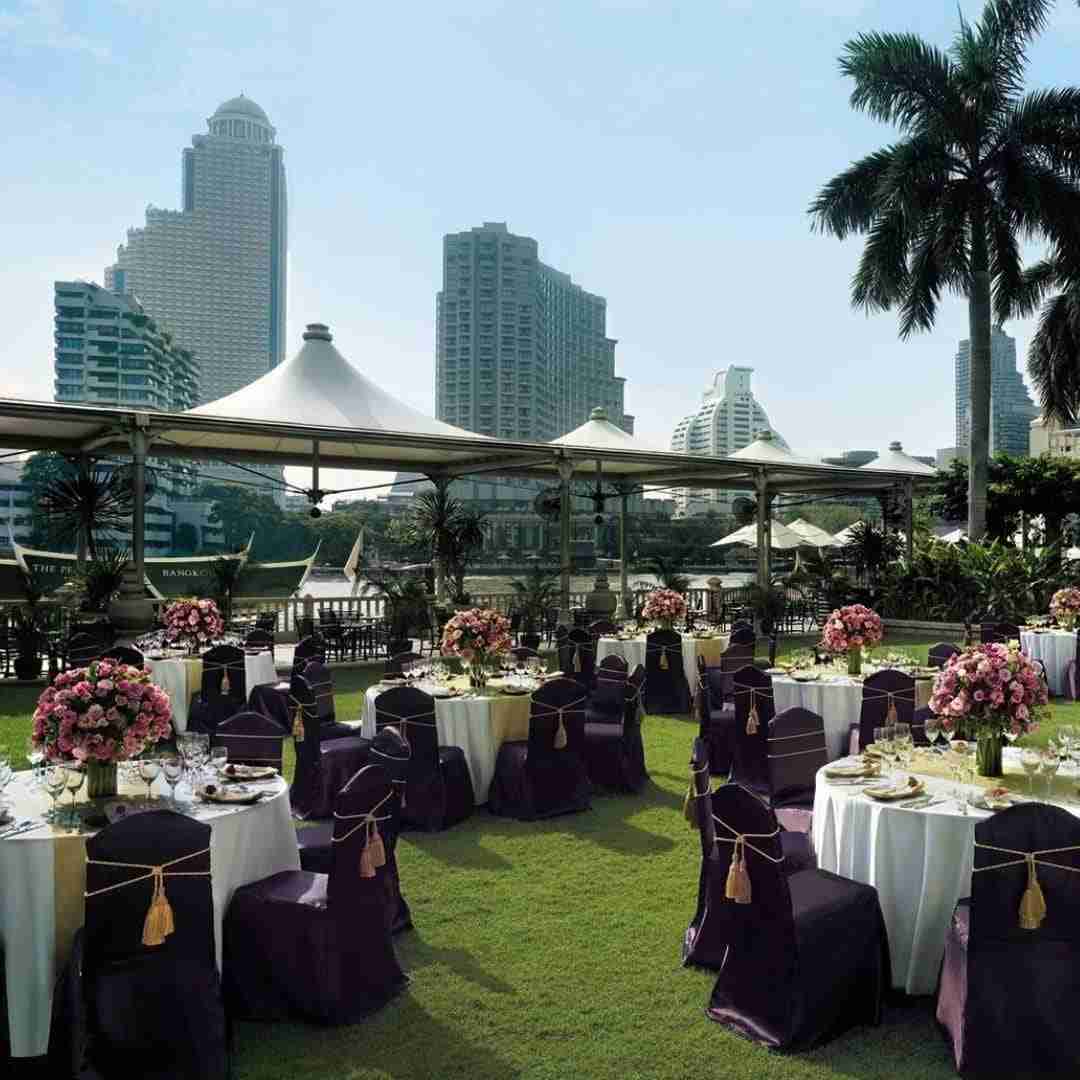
782,538
813,534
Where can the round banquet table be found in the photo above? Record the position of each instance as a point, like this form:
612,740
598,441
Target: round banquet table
43,877
181,677
919,860
837,699
478,724
1055,648
633,652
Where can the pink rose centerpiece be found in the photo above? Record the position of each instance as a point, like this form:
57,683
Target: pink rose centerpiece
986,692
664,606
1065,606
848,630
100,715
193,622
476,635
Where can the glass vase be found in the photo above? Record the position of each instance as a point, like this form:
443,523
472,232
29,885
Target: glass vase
478,675
100,779
854,662
988,754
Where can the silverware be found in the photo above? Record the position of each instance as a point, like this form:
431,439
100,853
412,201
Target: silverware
25,826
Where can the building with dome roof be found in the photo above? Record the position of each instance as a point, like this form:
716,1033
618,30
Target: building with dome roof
213,272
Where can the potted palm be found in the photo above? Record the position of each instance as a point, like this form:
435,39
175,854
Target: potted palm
405,603
536,592
26,626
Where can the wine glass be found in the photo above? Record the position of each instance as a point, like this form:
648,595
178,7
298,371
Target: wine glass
903,745
76,777
149,769
55,780
932,729
1029,762
219,757
172,768
7,774
1049,764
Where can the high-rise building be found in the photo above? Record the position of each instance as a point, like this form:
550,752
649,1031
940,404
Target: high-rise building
213,273
521,351
109,351
729,419
1011,407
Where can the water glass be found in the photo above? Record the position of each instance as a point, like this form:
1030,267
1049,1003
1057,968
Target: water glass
55,780
172,768
219,757
76,777
1030,761
1049,764
149,769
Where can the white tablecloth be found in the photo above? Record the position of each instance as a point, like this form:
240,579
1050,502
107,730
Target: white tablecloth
182,678
633,652
918,860
246,844
1055,648
467,722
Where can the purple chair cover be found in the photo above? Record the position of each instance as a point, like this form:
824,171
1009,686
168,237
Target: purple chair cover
124,654
392,752
577,656
880,690
251,739
705,941
716,719
146,1010
601,627
752,690
323,766
307,649
261,640
439,793
918,726
742,634
796,750
606,702
317,946
938,654
807,957
272,701
1009,997
213,705
395,664
614,752
321,682
666,692
545,774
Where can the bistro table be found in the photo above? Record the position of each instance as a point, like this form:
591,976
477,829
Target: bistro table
43,878
181,677
1055,648
478,723
836,698
919,860
632,650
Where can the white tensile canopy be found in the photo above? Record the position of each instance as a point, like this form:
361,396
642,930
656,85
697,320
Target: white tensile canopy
895,460
781,538
813,534
600,433
845,536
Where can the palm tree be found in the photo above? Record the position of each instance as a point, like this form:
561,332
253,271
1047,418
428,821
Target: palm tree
84,501
449,530
979,165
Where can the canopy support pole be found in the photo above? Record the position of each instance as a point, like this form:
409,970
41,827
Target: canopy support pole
624,579
566,471
764,528
132,612
138,515
909,519
441,484
81,540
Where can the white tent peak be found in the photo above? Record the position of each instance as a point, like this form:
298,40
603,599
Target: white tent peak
813,534
767,450
319,387
895,460
599,433
780,536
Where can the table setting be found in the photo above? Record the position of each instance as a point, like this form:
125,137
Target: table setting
709,643
1051,638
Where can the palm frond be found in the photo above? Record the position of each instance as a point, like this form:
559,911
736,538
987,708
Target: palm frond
1054,358
848,202
919,304
1006,268
1045,124
1038,281
882,274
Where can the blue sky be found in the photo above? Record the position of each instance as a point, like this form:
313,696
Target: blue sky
662,156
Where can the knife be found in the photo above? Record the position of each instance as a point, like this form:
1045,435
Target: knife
922,802
26,826
14,827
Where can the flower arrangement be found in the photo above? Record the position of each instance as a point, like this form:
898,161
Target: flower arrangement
664,605
101,714
475,635
988,691
193,622
848,630
1065,606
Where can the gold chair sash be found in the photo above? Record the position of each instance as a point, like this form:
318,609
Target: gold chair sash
1032,902
737,886
558,710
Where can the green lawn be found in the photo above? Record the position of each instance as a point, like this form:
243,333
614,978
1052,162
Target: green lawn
551,951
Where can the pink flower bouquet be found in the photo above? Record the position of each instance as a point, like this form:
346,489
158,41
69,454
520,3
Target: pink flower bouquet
989,689
664,605
1065,605
104,713
193,622
853,627
476,634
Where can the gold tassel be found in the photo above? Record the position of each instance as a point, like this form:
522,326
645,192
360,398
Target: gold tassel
226,685
737,886
752,720
158,924
367,867
577,660
375,846
298,724
560,735
663,658
1032,903
890,715
688,808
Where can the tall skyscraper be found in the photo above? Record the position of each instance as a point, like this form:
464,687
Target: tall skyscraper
1011,407
521,351
213,273
729,419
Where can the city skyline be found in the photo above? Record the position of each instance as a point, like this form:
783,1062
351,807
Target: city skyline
698,239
